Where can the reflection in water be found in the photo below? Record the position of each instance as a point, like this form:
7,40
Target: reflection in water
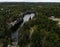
26,18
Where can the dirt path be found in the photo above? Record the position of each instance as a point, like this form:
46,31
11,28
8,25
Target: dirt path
31,32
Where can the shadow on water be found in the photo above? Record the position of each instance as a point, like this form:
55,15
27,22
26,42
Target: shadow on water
16,26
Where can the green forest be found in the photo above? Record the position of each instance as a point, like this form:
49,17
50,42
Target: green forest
45,32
